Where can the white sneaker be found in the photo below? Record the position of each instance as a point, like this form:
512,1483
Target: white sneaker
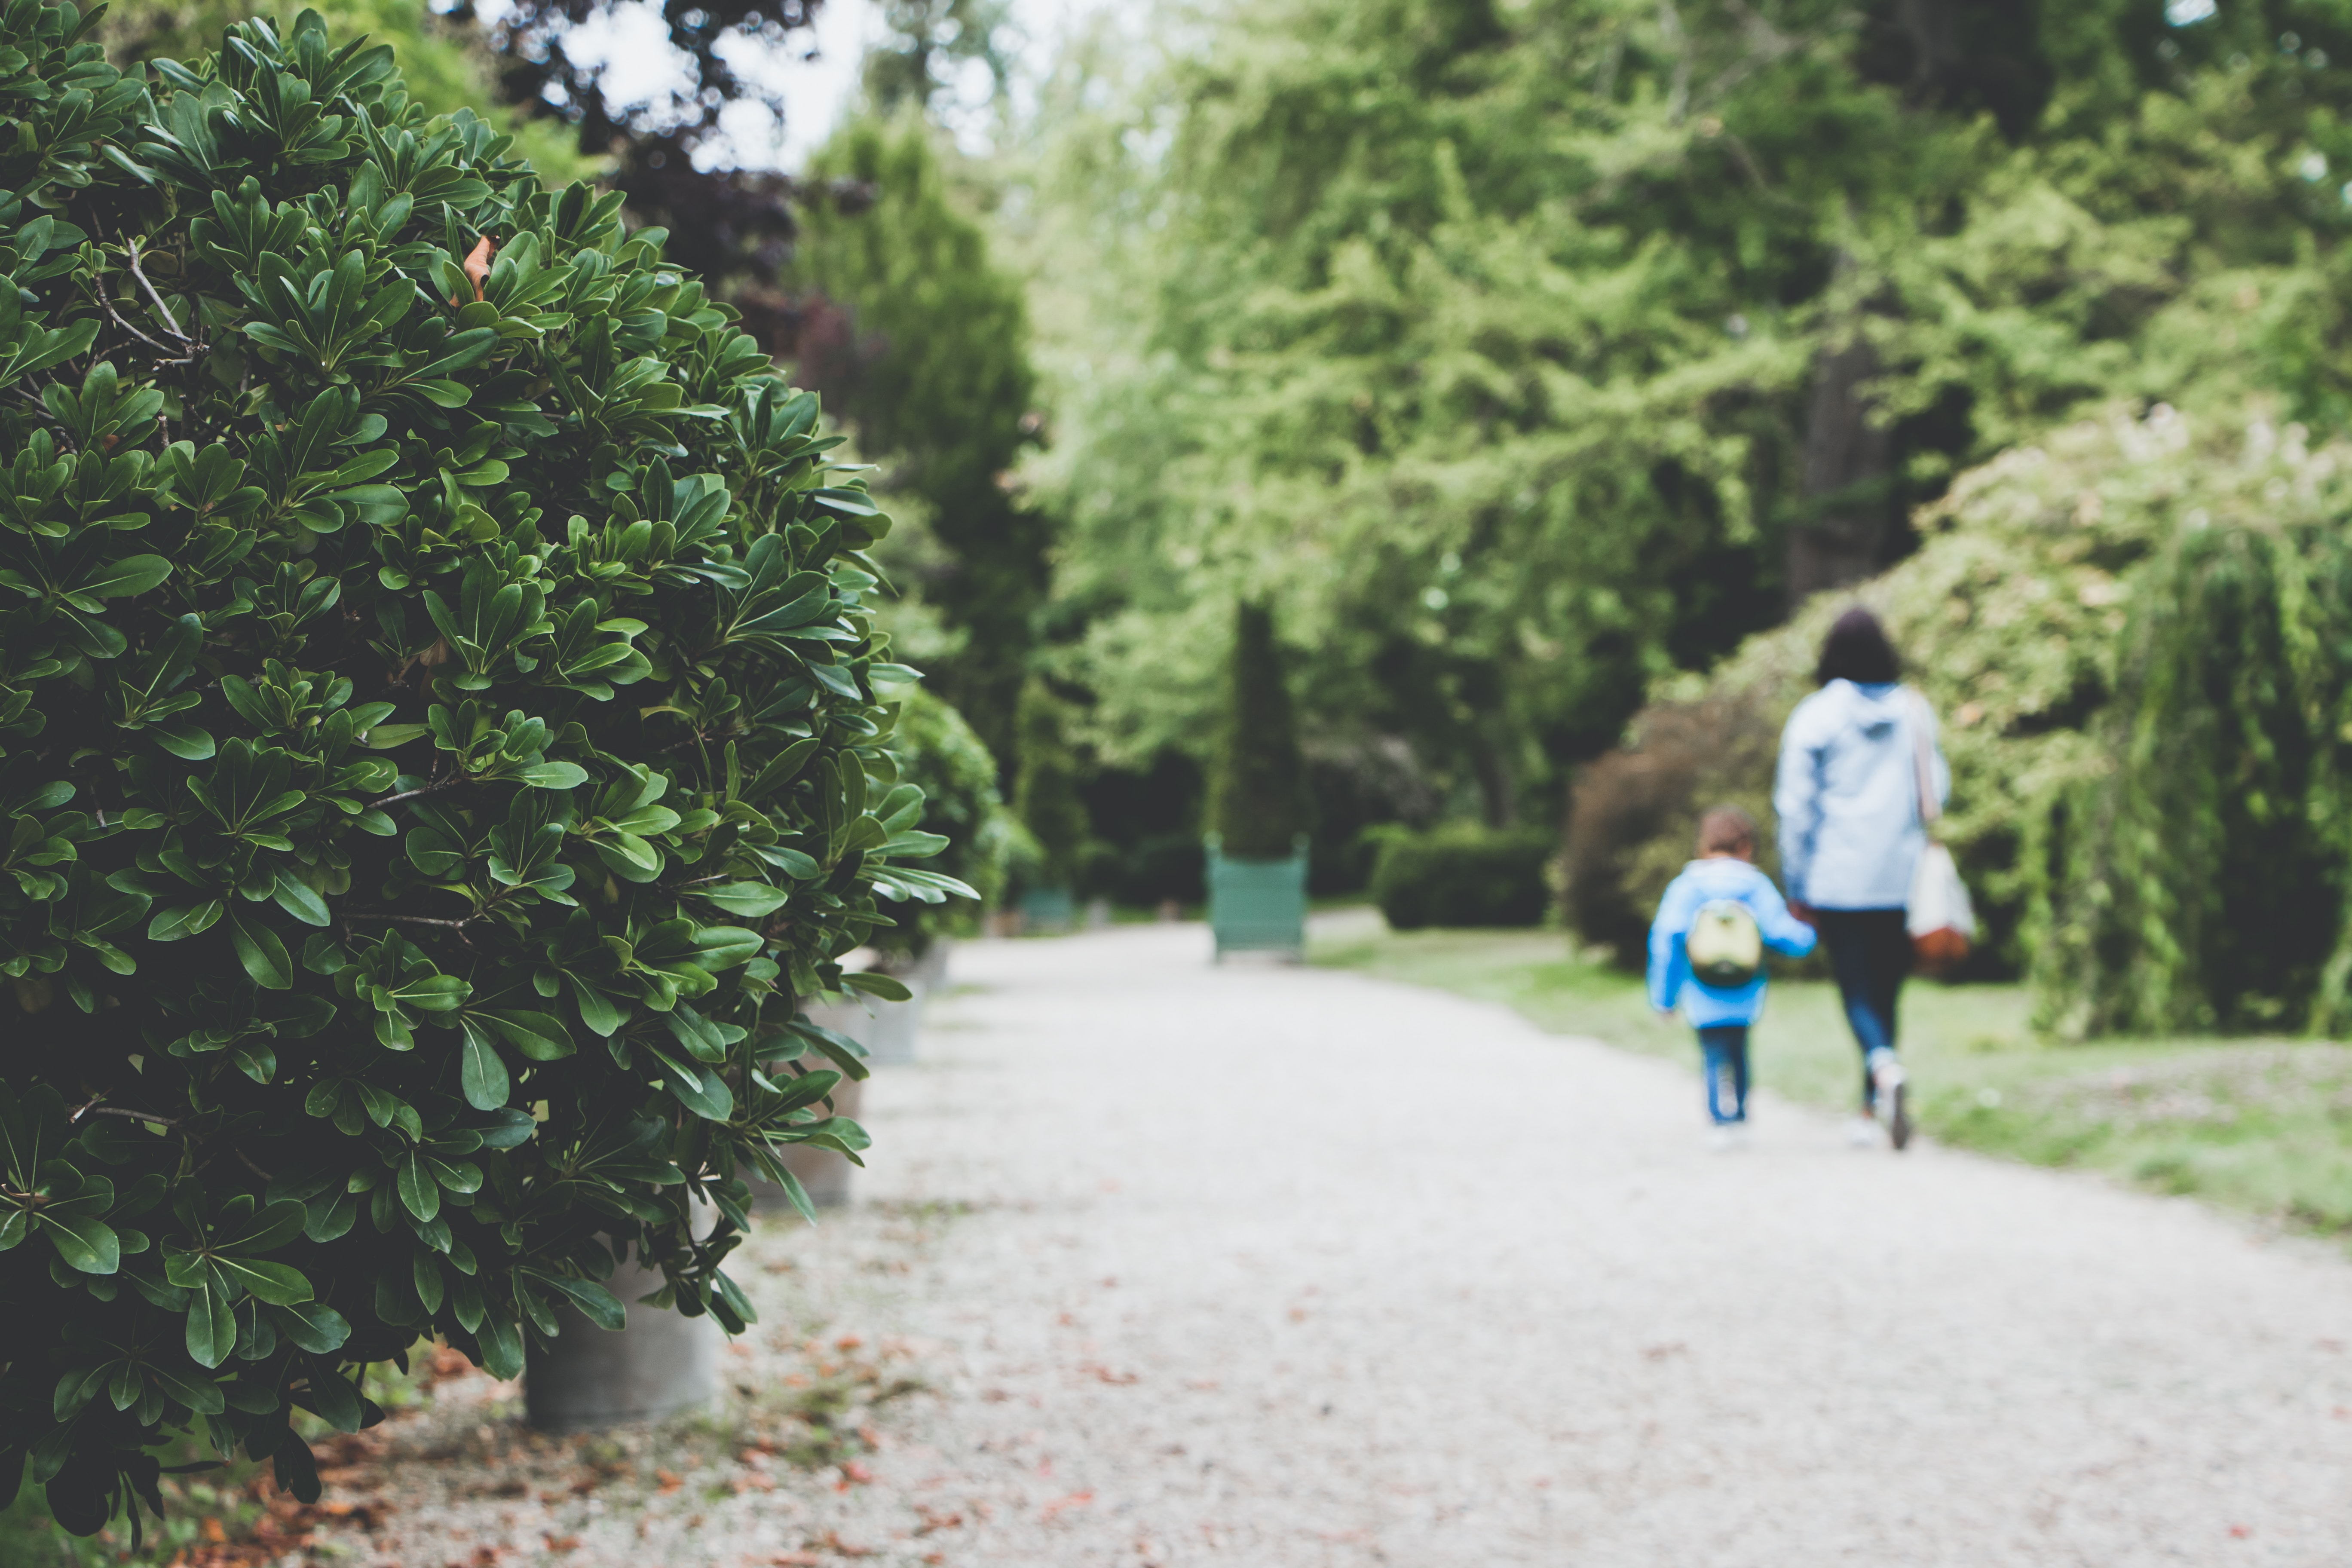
1721,1139
1861,1133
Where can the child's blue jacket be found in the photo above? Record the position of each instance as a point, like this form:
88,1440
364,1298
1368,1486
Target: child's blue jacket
1704,882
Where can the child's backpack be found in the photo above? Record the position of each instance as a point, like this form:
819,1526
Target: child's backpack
1726,948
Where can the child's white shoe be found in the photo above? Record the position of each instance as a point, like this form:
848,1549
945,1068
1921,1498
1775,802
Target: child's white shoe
1863,1132
1722,1137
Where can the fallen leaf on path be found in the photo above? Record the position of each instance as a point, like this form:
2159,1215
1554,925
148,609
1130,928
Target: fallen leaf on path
1063,1505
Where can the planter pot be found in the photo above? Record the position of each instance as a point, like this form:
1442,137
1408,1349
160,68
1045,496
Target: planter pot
889,1030
1047,908
1258,906
660,1365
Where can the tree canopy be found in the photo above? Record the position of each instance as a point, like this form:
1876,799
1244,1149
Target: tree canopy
919,341
1528,353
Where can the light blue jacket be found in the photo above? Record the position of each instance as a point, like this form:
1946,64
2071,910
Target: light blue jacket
1848,796
1704,882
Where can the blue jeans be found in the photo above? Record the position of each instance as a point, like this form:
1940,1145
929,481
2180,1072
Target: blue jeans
1724,1048
1870,954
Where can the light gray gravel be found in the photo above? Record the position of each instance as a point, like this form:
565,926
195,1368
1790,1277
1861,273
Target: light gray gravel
1287,1269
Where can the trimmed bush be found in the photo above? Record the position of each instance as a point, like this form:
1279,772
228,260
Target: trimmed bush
1462,874
1634,813
439,745
1258,804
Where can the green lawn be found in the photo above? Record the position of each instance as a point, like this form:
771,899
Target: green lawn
2259,1125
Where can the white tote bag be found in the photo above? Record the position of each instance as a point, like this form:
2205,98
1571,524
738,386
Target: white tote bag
1940,918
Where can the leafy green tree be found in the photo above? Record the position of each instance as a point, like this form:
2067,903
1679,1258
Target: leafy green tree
1257,803
931,368
1524,354
439,745
927,42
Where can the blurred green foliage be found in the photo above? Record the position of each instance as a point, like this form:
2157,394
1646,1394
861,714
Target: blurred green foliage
1461,874
1046,797
920,344
938,753
1508,350
1257,796
2133,630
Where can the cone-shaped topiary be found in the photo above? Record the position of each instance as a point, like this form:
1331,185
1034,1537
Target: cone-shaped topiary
1258,805
1045,790
434,687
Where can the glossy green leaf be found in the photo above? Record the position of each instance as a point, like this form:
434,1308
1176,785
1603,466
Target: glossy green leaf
260,950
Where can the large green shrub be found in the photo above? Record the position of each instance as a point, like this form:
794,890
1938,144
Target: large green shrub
440,748
1462,874
1257,801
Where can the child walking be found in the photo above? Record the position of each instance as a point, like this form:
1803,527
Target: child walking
1706,952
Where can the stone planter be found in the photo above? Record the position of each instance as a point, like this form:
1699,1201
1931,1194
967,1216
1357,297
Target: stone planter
661,1364
891,1032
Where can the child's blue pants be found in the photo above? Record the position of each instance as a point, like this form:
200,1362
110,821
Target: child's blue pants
1725,1048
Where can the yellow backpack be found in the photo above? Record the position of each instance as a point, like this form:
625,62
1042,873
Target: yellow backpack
1724,946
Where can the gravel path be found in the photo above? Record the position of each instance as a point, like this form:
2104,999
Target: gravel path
1287,1269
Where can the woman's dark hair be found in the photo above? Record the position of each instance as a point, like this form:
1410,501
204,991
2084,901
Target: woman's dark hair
1856,650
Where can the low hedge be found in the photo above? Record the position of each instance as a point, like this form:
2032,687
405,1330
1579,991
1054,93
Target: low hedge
1462,874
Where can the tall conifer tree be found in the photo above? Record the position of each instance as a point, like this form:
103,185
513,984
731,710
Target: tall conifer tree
1260,805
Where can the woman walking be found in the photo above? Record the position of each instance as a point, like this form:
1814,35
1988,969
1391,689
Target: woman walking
1852,831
